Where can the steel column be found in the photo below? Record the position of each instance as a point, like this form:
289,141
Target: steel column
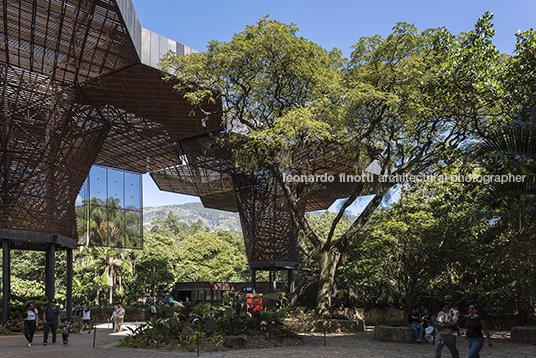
254,280
69,284
49,270
6,279
290,281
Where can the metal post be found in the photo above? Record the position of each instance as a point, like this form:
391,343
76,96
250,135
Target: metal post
69,288
6,279
94,333
254,280
291,281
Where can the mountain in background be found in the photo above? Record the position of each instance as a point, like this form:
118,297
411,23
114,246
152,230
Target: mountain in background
216,220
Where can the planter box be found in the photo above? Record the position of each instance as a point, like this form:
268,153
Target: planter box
524,334
331,326
383,316
394,334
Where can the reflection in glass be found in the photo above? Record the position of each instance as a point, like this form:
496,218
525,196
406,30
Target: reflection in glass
133,192
97,183
115,220
116,188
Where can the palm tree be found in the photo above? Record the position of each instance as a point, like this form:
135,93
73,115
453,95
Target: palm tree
103,222
519,141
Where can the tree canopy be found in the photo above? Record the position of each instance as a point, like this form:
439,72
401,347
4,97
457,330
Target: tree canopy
409,101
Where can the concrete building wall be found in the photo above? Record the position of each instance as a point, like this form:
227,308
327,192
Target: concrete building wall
155,46
150,46
131,21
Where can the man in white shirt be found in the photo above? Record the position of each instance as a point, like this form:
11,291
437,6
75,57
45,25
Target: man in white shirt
120,317
447,319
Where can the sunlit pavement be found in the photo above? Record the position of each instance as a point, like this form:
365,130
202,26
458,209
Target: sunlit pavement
336,345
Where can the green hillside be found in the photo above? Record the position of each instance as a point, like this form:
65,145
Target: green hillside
216,220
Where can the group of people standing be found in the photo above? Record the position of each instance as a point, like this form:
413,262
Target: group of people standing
51,319
446,326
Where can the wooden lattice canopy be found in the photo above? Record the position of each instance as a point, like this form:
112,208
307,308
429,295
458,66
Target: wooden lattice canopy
76,92
207,171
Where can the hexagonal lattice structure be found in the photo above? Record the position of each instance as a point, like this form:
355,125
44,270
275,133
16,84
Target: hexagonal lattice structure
76,92
270,236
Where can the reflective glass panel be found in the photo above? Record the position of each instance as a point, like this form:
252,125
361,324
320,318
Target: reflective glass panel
133,192
97,183
116,187
103,217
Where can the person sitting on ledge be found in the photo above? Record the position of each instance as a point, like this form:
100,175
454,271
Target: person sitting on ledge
413,323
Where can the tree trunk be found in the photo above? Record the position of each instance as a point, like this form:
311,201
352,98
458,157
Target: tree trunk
408,304
110,300
327,261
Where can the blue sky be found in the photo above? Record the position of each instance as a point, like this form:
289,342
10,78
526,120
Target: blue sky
330,24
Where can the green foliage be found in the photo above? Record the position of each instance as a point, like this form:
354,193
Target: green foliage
151,334
160,333
105,223
414,243
15,325
516,145
155,265
4,330
211,256
172,226
520,78
409,101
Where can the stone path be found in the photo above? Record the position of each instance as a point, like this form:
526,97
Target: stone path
337,345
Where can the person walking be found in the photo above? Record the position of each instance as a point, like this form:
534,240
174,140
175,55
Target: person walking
120,317
51,318
114,319
86,318
473,334
153,310
31,322
65,332
413,323
447,319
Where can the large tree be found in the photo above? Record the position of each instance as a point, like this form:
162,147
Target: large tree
407,100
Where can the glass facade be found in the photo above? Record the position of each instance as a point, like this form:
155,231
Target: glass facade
110,209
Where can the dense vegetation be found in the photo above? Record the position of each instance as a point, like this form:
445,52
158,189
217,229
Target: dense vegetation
413,102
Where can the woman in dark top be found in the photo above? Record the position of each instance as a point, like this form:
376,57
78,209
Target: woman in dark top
473,334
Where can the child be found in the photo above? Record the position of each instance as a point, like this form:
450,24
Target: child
65,332
428,325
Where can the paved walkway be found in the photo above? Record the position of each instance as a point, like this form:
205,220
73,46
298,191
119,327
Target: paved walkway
337,345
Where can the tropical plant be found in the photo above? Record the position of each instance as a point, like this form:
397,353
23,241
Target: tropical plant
518,142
